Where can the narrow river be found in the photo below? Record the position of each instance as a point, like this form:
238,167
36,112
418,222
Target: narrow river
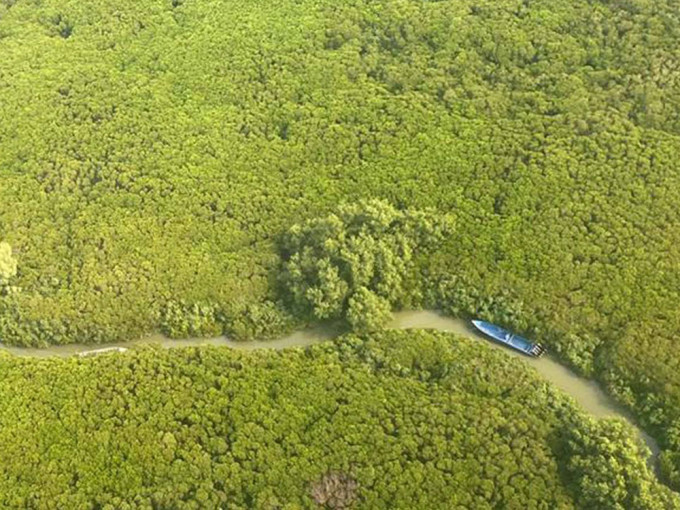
585,392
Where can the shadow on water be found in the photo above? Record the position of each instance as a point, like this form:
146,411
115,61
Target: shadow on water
585,392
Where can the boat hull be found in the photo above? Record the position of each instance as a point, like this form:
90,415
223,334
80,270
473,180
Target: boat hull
517,342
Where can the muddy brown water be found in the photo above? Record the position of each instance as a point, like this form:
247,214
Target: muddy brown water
585,392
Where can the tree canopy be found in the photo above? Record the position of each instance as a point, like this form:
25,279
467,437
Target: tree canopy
153,153
352,264
605,466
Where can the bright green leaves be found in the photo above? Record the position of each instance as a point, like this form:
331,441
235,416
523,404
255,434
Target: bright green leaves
352,264
366,311
328,295
8,264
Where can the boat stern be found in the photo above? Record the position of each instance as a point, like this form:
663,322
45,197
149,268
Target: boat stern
537,350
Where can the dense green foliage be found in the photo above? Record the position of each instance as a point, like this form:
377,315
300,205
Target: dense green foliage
151,154
605,468
643,371
400,420
352,264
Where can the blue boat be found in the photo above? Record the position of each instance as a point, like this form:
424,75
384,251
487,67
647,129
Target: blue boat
510,339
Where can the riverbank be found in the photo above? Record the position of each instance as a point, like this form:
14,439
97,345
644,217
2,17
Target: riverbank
587,393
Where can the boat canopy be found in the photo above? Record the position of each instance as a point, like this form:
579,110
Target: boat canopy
510,339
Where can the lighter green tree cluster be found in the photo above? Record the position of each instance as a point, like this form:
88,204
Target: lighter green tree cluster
8,264
352,264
